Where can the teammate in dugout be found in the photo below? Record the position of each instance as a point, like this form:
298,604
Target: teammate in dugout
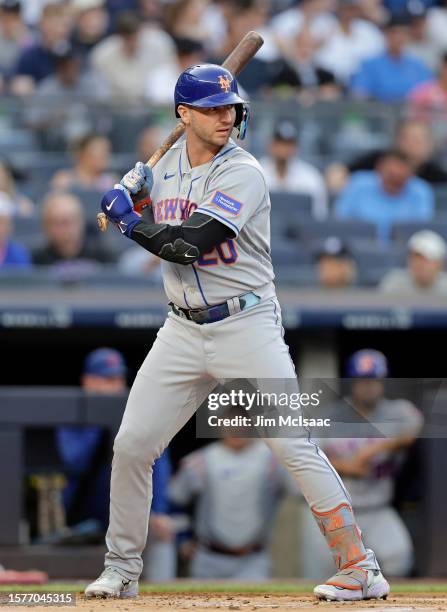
211,228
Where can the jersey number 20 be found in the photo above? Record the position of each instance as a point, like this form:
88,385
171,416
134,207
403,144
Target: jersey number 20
225,253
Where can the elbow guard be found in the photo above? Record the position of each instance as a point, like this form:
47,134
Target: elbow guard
180,252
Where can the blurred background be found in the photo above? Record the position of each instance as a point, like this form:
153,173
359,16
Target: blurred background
349,106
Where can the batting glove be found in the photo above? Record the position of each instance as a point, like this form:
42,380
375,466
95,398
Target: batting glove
118,208
138,178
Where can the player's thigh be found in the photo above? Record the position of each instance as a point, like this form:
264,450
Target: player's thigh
168,389
385,532
251,344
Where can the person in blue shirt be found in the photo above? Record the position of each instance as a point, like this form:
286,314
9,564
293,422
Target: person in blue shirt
39,60
392,75
12,253
389,194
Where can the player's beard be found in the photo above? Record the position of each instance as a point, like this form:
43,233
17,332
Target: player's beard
209,136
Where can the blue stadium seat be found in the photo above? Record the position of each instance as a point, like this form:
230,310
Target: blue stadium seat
91,199
288,209
312,230
298,276
440,198
28,231
402,232
287,252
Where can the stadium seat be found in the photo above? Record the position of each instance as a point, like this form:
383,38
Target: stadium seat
298,276
91,199
402,232
440,198
287,252
288,209
28,231
312,230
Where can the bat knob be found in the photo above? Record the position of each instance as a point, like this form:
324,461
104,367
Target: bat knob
102,221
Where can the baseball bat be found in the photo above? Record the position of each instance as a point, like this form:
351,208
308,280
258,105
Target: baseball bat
235,62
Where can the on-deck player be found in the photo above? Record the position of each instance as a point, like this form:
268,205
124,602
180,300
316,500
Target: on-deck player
210,227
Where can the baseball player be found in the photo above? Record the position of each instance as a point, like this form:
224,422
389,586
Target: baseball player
368,466
232,538
210,226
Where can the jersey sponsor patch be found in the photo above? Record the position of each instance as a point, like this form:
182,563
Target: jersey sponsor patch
226,203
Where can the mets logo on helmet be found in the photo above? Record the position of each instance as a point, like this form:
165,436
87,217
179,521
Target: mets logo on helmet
224,83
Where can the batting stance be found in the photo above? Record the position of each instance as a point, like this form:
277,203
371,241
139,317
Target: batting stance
211,228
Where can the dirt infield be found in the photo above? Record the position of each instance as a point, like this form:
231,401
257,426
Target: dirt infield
204,602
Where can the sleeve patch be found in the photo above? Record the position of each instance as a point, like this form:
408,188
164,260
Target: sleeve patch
226,203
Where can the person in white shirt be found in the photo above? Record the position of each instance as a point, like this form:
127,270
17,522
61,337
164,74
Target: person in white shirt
285,171
424,274
127,59
349,42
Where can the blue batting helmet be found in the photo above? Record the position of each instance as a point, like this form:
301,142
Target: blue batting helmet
367,363
210,85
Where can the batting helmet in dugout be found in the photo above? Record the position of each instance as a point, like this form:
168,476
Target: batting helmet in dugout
367,363
208,86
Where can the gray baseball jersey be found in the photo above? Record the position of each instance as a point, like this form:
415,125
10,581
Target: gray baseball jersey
230,188
219,477
393,418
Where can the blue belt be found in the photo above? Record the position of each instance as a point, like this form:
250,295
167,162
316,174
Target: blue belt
218,312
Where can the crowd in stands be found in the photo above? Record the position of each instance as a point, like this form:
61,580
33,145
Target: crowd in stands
62,60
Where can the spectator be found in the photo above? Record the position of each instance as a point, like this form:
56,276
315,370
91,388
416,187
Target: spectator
390,194
241,16
414,139
38,61
437,25
162,80
425,264
431,97
22,206
390,76
183,19
234,477
126,60
336,267
148,142
59,110
350,42
14,35
285,171
11,252
82,449
64,233
421,45
315,16
91,160
301,69
368,465
91,25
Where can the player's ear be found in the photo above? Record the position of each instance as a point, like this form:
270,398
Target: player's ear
183,111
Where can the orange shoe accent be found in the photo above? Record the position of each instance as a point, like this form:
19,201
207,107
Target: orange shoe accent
342,535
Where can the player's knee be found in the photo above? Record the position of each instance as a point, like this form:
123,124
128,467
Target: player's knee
135,446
